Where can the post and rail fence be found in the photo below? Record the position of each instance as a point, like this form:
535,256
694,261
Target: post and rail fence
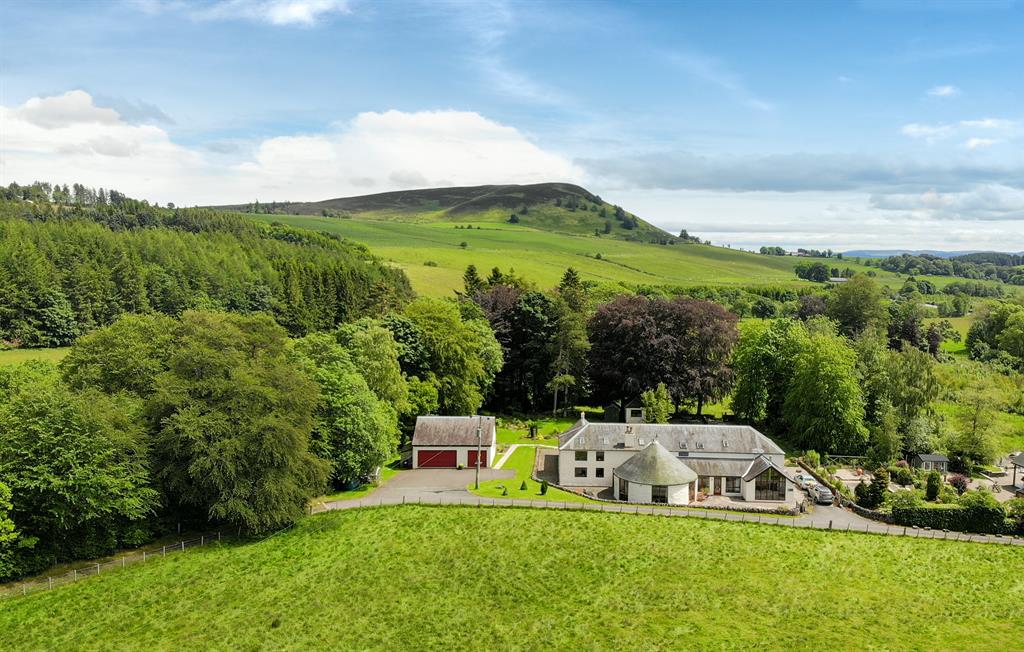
145,555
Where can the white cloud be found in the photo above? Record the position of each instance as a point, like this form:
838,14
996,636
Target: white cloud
69,139
926,132
979,143
988,123
943,91
303,13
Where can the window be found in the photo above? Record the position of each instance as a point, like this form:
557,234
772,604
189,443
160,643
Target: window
599,455
732,485
623,489
770,485
659,493
599,472
581,471
704,483
635,413
581,456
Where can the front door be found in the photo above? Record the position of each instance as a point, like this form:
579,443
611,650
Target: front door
718,486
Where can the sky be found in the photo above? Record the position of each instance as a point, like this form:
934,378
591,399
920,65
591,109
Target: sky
874,124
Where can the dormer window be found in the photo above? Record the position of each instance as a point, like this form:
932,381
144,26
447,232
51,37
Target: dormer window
700,445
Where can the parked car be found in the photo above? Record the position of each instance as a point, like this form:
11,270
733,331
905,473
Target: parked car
821,494
804,480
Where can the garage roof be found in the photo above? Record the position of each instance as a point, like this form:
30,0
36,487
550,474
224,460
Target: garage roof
453,431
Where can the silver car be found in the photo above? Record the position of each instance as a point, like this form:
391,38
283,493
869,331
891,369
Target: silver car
821,494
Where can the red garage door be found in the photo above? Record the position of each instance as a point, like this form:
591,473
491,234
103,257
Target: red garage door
472,459
434,458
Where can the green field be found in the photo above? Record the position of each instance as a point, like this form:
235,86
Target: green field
434,578
431,255
16,356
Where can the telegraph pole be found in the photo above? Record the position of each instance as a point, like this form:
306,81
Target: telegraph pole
479,438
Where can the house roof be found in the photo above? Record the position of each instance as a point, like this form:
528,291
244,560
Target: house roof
1018,459
716,467
654,465
762,464
694,438
931,457
453,431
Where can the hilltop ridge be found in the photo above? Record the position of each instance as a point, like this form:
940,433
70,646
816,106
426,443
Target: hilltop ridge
562,207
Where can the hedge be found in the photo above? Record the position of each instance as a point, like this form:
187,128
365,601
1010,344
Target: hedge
981,520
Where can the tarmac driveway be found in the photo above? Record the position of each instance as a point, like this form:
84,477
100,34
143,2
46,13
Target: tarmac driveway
415,483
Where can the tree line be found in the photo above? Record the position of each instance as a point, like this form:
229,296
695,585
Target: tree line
68,269
217,418
990,266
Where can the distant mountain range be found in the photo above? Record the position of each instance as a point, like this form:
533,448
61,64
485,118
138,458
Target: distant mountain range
884,253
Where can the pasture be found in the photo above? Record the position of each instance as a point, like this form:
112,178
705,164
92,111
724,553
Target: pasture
17,356
442,578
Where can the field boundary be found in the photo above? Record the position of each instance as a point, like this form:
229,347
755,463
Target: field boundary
23,588
764,518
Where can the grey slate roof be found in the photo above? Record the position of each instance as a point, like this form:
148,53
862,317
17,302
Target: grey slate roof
453,431
762,464
695,438
932,457
716,467
654,465
1018,460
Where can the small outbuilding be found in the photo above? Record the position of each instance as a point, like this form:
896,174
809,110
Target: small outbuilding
654,475
930,462
452,442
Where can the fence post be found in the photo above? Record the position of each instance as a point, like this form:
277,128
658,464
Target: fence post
50,582
76,574
164,554
218,535
183,546
143,556
830,524
202,540
97,569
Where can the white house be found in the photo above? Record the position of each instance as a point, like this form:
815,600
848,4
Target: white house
451,442
727,460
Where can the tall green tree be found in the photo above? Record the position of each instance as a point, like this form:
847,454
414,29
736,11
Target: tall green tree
857,305
354,430
657,404
824,406
232,415
375,353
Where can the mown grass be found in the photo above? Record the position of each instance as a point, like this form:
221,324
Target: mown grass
548,429
521,461
542,254
444,578
17,356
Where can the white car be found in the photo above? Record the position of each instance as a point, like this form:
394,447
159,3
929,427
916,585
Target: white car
805,481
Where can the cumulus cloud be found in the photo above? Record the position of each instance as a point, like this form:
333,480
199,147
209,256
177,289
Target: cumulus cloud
943,91
979,143
926,132
989,202
69,138
302,13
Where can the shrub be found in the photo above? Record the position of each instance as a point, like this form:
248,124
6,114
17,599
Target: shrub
429,263
931,491
903,464
978,498
813,459
903,499
959,482
904,476
543,487
522,487
504,490
863,493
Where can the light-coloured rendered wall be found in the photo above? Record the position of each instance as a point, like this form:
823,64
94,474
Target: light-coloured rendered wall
679,494
567,464
639,493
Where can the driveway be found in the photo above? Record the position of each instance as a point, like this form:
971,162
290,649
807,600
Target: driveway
840,517
414,485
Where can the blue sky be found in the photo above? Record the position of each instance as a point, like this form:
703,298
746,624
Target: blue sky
870,124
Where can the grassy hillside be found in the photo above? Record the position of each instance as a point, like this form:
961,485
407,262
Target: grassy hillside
432,256
460,578
559,207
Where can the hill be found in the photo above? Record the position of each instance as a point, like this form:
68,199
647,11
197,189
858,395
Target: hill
561,207
444,578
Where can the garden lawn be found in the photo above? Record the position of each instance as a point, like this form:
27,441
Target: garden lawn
521,461
16,356
444,578
518,432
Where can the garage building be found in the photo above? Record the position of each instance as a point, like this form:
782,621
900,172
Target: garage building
451,442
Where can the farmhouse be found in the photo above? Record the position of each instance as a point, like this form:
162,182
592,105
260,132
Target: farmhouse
450,442
930,462
673,463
